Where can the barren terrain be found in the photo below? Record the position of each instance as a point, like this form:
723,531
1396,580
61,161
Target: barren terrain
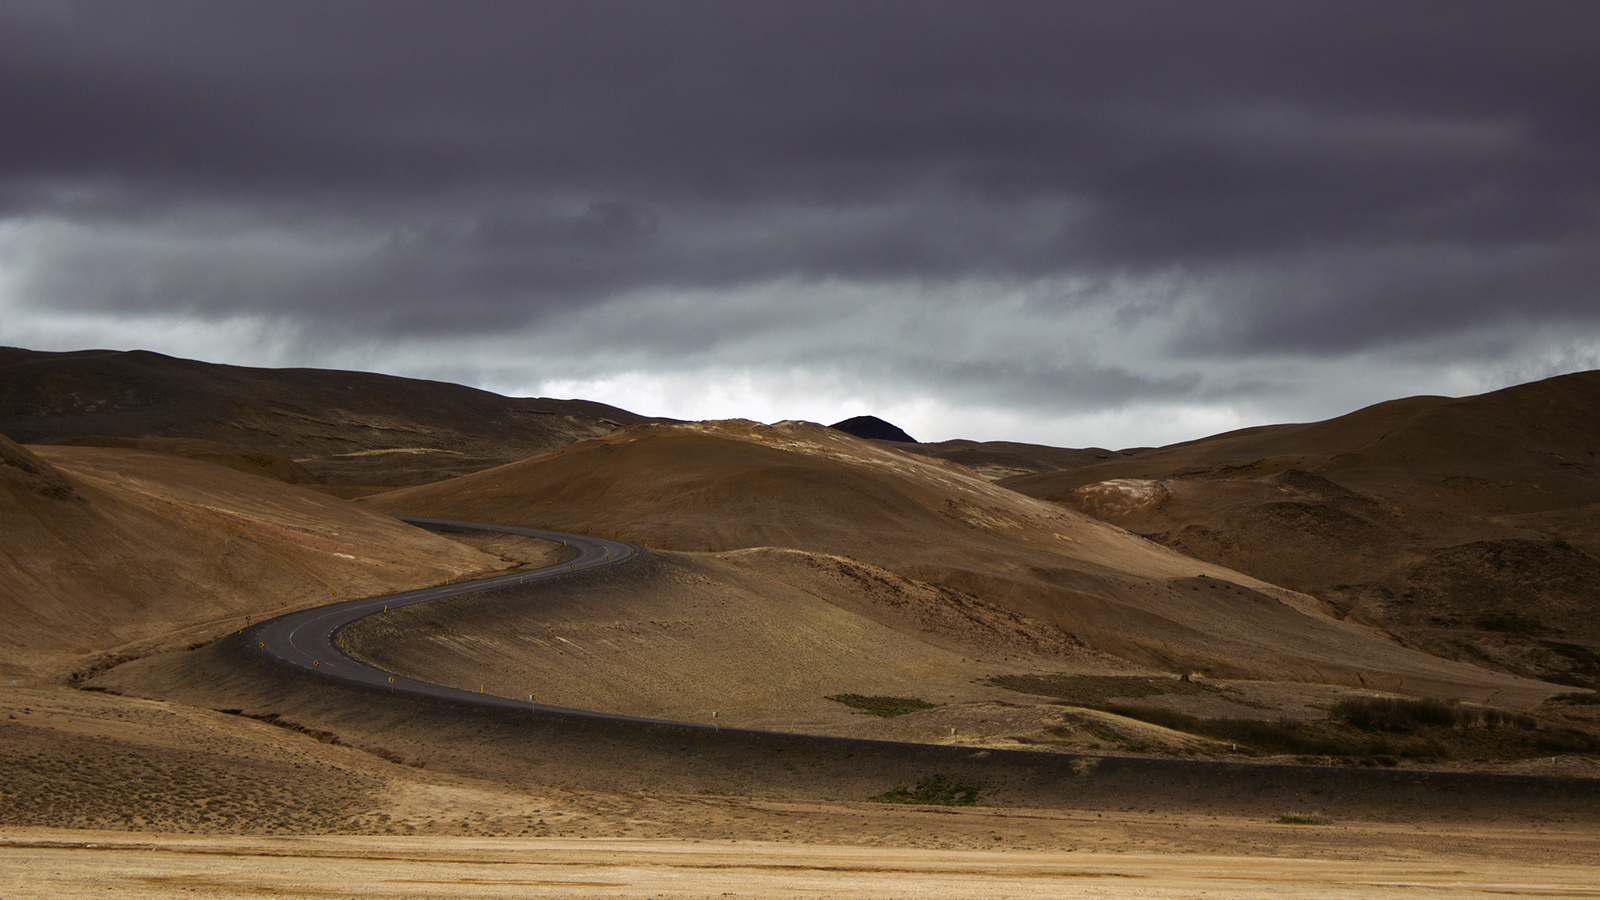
1050,854
1053,702
1464,526
112,553
939,527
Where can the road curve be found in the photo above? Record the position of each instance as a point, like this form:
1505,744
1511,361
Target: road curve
304,639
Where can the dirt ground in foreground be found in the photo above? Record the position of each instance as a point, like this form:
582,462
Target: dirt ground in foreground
328,821
1123,857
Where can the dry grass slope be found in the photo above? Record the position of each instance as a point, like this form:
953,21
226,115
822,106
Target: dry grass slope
1468,527
111,553
717,487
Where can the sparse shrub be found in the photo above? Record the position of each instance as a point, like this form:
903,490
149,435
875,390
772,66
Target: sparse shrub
1398,715
1402,716
1567,741
934,790
1498,718
1263,736
1304,819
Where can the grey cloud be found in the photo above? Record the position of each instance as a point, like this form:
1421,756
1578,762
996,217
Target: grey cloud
423,168
1384,297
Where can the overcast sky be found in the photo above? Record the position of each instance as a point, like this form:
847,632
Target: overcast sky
1107,223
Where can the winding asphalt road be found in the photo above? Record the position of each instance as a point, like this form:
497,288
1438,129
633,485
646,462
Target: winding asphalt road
304,639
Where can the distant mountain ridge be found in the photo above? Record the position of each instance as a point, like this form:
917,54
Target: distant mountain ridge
343,427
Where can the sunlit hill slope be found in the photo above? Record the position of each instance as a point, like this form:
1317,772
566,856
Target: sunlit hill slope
712,487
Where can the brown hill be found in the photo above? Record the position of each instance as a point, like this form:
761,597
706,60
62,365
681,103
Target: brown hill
738,485
1007,459
243,459
107,551
1468,526
346,428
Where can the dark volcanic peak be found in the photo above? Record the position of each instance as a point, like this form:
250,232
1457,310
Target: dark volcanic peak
874,429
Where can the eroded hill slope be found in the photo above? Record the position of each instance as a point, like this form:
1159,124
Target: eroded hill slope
1469,526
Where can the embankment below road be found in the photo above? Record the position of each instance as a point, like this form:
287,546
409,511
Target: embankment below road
582,753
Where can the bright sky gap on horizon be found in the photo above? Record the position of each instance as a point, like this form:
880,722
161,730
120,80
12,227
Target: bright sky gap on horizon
1105,225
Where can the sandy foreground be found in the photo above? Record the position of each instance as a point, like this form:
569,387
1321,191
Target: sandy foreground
1129,856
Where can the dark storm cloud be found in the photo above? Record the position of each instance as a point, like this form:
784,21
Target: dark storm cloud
1377,170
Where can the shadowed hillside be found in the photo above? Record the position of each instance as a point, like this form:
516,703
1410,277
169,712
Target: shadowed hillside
349,429
998,460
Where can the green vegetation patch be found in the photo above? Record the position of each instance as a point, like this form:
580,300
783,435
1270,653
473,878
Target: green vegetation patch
1304,819
882,706
935,790
1378,731
1084,689
1395,714
1257,735
1406,716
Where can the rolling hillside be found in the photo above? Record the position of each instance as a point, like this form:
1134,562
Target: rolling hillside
1468,526
354,430
110,553
730,486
